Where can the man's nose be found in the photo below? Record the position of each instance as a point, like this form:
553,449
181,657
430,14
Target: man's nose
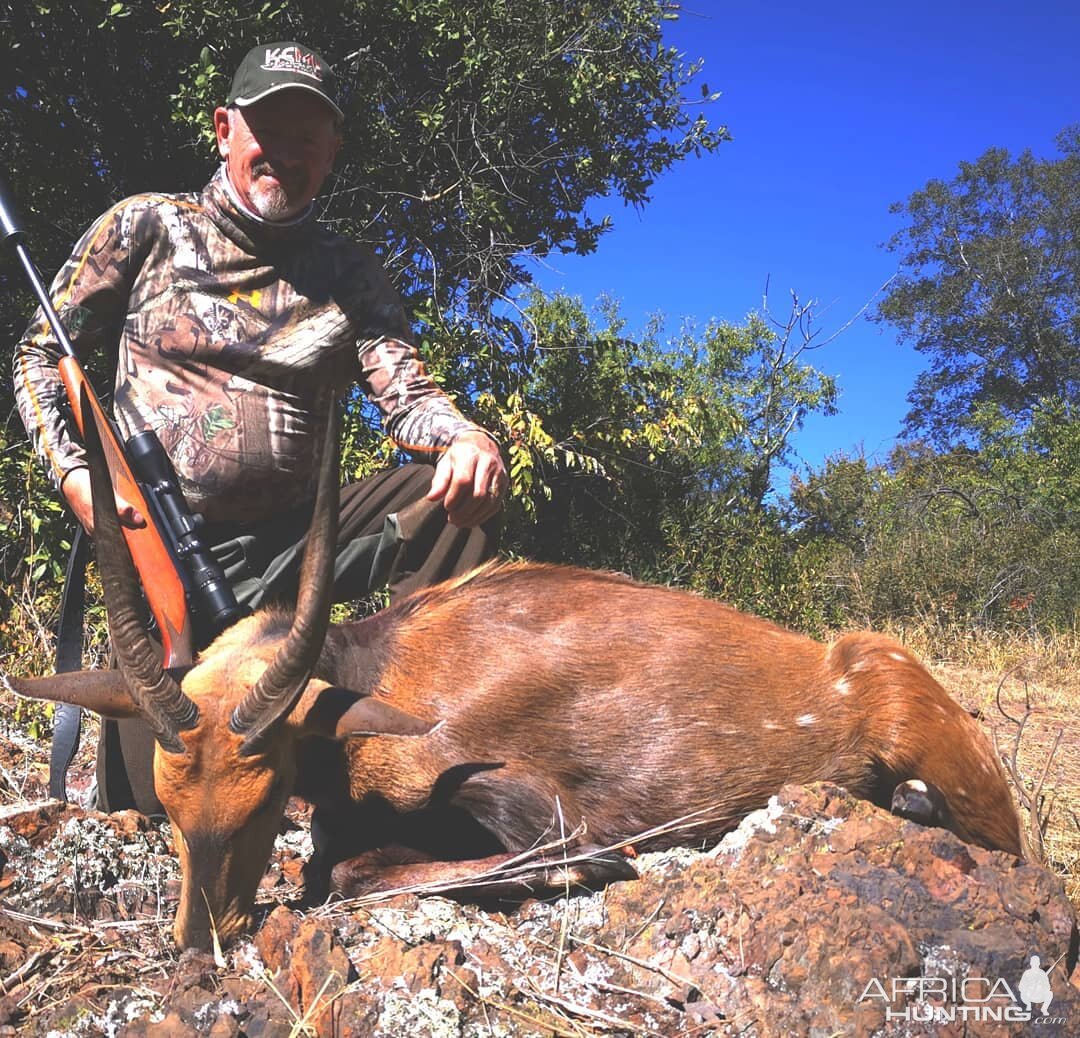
286,154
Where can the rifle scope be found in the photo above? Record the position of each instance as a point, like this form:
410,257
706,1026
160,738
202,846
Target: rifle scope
211,597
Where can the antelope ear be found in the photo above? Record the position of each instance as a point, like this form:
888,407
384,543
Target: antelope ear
337,713
103,691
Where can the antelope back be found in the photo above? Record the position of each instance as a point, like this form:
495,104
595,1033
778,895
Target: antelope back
634,704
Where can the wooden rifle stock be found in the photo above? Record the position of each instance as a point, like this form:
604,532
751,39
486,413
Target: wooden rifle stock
162,586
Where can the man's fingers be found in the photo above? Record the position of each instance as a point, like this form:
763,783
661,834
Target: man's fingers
481,502
76,489
488,481
457,467
460,491
444,470
477,513
470,480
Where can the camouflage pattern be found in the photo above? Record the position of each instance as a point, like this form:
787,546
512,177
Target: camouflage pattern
232,337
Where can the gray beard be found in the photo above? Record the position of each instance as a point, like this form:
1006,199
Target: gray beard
269,201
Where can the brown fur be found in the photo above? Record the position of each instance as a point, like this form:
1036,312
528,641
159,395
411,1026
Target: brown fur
556,698
635,704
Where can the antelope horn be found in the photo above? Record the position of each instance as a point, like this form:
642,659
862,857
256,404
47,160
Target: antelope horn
278,689
103,691
165,707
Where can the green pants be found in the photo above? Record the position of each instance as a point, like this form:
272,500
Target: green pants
387,534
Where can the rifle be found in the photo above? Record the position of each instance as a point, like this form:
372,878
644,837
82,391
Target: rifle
188,595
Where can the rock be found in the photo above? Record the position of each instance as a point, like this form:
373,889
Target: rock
274,940
809,919
307,966
28,820
321,971
819,915
109,866
173,1026
814,918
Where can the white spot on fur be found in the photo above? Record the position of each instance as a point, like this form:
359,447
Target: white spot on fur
806,720
898,656
961,792
771,726
842,687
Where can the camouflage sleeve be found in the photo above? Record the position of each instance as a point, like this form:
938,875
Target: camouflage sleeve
419,417
90,295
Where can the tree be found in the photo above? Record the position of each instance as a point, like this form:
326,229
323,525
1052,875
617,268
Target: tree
598,438
962,537
657,454
476,133
989,290
755,390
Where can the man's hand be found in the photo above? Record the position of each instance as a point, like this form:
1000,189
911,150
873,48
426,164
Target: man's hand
470,480
76,489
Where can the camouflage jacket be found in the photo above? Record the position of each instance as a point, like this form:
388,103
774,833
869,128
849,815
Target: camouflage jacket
234,336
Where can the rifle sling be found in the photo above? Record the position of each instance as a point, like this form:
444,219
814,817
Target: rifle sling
69,639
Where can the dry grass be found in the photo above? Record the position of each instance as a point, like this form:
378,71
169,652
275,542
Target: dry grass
1052,660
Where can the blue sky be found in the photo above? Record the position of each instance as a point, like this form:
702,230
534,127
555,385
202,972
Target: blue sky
837,110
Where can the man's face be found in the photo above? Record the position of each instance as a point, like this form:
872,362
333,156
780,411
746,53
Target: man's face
278,151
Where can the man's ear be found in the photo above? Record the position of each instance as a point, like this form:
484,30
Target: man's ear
222,130
338,713
103,691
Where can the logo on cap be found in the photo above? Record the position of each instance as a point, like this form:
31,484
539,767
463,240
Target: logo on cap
292,59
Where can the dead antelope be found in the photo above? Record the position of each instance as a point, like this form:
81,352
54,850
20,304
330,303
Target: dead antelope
479,716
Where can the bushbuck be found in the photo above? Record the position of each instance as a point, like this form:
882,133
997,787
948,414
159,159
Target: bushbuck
477,719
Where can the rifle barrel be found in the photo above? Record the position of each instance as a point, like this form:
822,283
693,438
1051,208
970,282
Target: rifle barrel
13,234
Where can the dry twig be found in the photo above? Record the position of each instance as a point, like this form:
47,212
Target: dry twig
1032,799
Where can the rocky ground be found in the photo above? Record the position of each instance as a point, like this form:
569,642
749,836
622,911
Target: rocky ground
819,916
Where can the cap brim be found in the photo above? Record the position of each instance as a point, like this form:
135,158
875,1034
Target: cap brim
243,102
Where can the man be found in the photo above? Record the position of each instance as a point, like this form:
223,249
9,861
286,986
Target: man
237,321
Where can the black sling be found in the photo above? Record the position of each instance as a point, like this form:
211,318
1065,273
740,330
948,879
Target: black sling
69,638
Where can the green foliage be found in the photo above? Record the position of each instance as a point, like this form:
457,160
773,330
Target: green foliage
655,456
753,389
990,290
750,560
594,434
979,522
987,538
34,542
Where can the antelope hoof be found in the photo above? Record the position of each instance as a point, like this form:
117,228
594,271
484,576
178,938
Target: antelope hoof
599,869
921,802
551,878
